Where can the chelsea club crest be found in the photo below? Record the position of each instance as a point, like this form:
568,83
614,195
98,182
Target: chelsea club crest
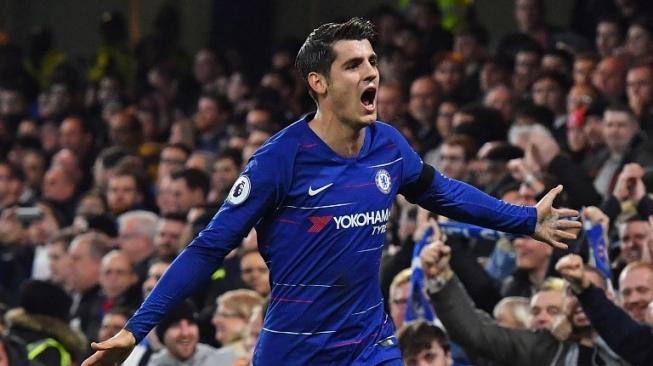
383,181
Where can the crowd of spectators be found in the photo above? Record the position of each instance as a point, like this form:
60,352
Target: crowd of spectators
109,167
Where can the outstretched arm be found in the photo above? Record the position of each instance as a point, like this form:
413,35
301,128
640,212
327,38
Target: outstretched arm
462,202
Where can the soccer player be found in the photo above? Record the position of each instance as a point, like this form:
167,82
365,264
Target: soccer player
319,194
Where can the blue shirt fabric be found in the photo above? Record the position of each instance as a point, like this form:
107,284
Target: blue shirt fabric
321,221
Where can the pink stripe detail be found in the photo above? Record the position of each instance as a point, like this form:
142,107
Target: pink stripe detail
283,299
287,221
349,343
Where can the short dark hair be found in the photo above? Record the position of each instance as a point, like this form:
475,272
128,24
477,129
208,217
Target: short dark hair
316,54
620,107
232,154
194,179
417,336
175,216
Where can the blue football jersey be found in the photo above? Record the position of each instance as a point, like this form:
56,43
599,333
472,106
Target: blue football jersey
321,220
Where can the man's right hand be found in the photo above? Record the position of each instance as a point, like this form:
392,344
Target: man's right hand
571,269
435,260
113,351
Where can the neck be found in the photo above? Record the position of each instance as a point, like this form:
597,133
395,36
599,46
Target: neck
586,337
341,137
536,276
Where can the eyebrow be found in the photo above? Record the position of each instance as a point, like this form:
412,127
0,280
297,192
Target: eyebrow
357,60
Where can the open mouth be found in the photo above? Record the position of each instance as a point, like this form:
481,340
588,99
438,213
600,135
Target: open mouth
368,97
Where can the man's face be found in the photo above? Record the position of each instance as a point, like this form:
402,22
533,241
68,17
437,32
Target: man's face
84,269
527,14
526,63
583,69
547,93
449,75
636,290
608,78
352,83
229,324
607,38
183,196
618,130
208,114
168,237
171,159
433,356
56,186
122,194
545,307
165,199
181,339
398,301
639,88
452,161
5,177
500,98
154,274
390,103
59,263
260,118
635,237
423,101
205,67
255,273
444,120
71,134
225,173
638,41
116,274
111,325
531,254
593,130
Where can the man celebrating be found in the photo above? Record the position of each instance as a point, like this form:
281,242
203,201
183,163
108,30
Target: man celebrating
319,193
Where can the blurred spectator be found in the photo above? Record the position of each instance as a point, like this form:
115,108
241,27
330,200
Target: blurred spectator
399,292
422,109
190,188
422,343
391,102
609,78
225,172
123,192
112,322
118,281
173,157
210,122
136,233
254,272
513,312
41,322
86,252
609,36
639,89
234,308
179,333
170,233
58,258
636,289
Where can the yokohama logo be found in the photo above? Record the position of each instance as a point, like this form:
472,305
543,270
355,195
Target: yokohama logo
319,222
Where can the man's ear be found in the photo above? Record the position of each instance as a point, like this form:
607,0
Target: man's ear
317,82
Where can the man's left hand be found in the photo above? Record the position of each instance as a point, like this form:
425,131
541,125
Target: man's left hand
552,226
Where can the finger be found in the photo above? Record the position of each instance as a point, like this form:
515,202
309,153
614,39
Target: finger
102,346
566,212
568,224
94,359
559,245
561,234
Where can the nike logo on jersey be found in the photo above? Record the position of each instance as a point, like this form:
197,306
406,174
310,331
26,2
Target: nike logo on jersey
312,192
